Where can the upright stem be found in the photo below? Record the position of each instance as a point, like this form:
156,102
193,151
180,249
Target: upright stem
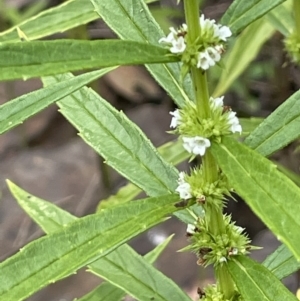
213,215
296,7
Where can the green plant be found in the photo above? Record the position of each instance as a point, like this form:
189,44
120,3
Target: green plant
207,128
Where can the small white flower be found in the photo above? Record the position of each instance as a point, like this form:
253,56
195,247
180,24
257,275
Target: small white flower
178,45
170,37
176,119
234,251
181,178
216,102
234,122
190,229
208,58
204,60
175,40
196,145
222,32
214,54
184,188
222,259
206,23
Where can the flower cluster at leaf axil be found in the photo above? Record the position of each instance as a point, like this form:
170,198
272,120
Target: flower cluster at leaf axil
205,193
197,133
212,293
292,46
217,249
206,50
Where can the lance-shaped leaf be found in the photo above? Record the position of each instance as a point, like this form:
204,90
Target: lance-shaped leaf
269,193
61,253
63,17
58,19
173,152
122,267
278,129
282,262
255,282
242,13
19,109
131,20
121,143
143,286
244,50
40,58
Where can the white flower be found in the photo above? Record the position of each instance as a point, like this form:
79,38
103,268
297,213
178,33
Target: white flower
222,32
213,53
178,45
170,37
234,122
206,23
181,178
175,40
217,102
191,229
234,251
184,188
204,60
176,119
222,259
209,57
196,145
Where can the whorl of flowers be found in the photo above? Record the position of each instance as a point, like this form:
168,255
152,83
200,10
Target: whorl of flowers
197,133
292,46
208,47
217,249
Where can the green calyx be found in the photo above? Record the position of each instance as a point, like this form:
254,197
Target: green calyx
212,293
220,248
292,46
213,128
207,193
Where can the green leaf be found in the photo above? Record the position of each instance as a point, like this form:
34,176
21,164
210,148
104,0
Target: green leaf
52,218
63,17
172,152
58,19
39,58
108,290
104,292
121,143
131,20
278,129
255,282
271,195
143,286
282,262
281,18
83,241
19,109
245,49
242,13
